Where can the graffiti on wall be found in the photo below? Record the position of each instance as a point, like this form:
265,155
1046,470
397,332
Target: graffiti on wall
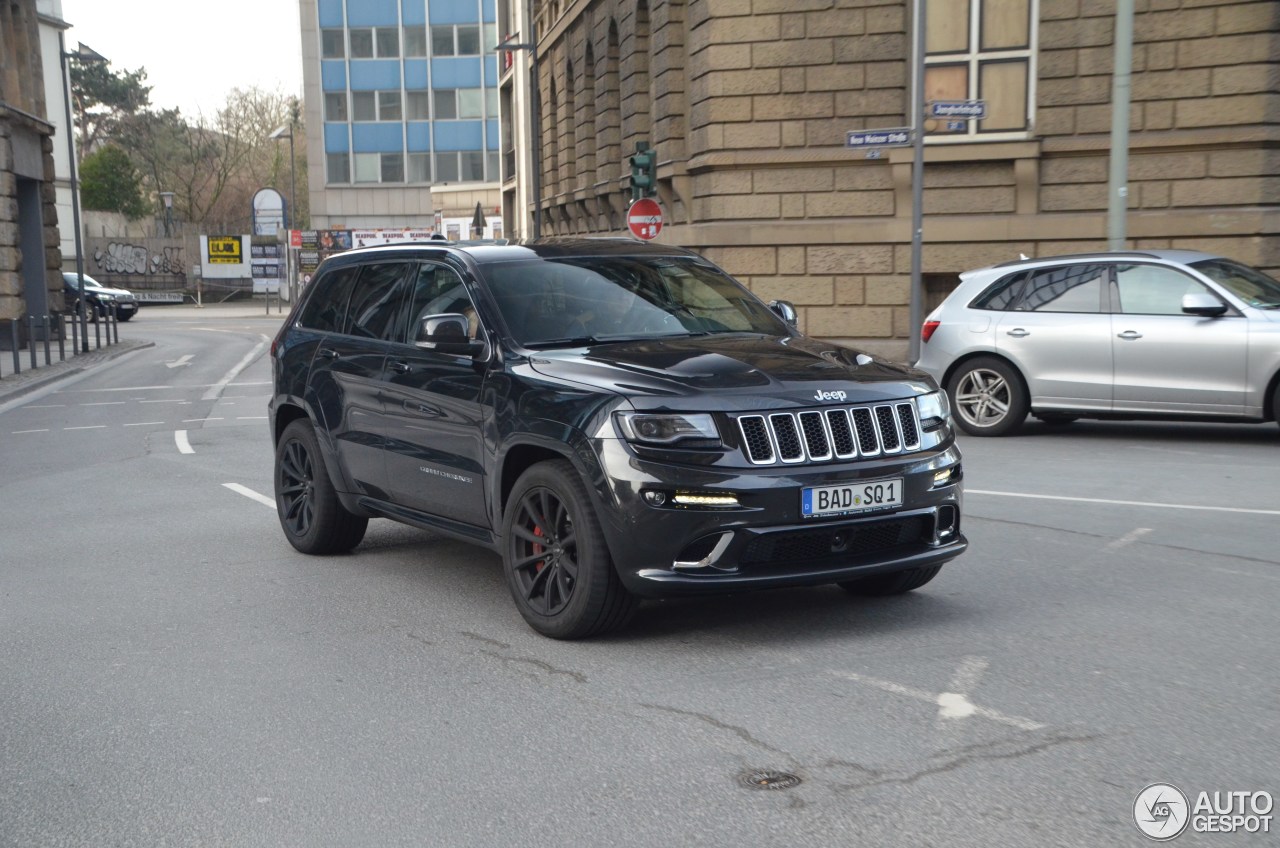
123,258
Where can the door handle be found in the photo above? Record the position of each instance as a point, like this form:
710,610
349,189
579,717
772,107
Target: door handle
328,353
1129,334
399,367
1018,333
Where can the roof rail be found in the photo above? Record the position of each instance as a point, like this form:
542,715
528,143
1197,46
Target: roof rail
1132,253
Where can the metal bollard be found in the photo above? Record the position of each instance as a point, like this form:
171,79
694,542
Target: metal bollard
13,344
31,338
97,330
113,328
48,360
75,333
62,337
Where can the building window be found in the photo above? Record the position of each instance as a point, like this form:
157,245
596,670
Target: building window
393,167
335,106
415,41
364,106
460,40
419,167
447,167
361,43
389,106
418,104
388,42
368,167
332,44
981,50
470,103
472,165
338,167
446,103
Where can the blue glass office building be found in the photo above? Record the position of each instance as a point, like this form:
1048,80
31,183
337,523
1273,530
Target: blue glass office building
409,92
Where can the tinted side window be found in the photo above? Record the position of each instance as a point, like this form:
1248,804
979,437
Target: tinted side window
1001,295
438,290
1153,290
328,303
1068,288
375,301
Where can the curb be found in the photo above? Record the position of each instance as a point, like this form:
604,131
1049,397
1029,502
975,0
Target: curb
46,375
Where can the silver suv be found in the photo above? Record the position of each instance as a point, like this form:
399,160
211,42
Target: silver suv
1152,334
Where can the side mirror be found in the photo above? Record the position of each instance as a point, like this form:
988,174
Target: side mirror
447,333
784,310
1203,304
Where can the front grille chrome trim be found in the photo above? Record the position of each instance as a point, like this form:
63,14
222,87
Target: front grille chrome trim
816,435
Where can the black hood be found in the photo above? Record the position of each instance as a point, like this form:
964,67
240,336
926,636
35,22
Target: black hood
733,372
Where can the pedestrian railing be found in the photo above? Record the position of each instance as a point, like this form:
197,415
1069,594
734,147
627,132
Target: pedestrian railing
36,338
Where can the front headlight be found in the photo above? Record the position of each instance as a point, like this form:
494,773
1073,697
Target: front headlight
934,410
667,428
106,298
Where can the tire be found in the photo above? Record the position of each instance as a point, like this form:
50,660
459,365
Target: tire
896,583
128,317
313,519
988,396
555,558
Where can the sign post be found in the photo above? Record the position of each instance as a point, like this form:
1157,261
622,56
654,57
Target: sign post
644,218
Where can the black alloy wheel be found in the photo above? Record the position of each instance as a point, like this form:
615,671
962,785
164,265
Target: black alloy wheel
313,519
556,560
545,555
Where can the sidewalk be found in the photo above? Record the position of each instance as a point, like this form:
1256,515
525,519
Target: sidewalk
29,379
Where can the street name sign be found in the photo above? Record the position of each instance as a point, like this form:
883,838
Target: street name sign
965,110
897,137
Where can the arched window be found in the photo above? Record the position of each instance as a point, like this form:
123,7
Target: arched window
551,142
569,167
589,115
636,121
611,109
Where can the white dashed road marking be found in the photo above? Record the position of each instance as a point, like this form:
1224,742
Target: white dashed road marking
955,702
143,424
1123,503
930,698
251,494
180,437
1129,538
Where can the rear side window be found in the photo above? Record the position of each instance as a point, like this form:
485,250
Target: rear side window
375,301
327,305
1066,288
1001,295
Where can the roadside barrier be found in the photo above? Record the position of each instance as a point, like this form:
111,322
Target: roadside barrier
42,331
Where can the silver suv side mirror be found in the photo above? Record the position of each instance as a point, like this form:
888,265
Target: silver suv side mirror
447,333
1203,304
784,310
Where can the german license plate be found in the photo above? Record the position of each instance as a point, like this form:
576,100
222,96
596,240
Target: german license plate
850,497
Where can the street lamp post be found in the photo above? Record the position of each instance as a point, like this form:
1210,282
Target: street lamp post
286,131
166,199
84,54
535,140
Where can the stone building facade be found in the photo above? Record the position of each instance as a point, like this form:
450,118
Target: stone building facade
748,103
30,257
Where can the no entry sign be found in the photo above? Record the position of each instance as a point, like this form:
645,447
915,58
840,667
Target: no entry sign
645,218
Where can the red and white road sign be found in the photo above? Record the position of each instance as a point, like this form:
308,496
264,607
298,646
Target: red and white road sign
645,218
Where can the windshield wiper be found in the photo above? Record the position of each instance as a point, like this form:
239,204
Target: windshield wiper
570,341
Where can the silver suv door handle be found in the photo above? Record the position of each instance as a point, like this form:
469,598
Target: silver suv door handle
1018,333
1129,334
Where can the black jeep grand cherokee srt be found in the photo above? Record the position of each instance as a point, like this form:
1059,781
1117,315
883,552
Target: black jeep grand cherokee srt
618,420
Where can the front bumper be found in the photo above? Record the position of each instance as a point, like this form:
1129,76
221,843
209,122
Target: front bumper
665,549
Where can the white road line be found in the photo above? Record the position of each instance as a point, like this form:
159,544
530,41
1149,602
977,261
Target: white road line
930,698
45,405
217,388
180,437
168,400
955,703
105,403
89,427
251,418
143,424
1245,573
251,494
20,432
1123,503
199,420
1129,538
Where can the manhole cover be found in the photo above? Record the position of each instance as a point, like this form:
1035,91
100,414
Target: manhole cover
769,780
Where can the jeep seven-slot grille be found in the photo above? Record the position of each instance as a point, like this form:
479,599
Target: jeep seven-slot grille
830,434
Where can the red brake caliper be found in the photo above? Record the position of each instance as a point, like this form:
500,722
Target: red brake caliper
537,549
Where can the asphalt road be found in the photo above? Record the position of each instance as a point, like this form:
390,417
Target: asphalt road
173,673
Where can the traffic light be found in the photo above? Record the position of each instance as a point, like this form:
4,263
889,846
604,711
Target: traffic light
644,171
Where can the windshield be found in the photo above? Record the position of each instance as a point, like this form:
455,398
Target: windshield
1249,284
585,300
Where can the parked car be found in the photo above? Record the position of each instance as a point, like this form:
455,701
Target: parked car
616,419
100,298
1151,334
